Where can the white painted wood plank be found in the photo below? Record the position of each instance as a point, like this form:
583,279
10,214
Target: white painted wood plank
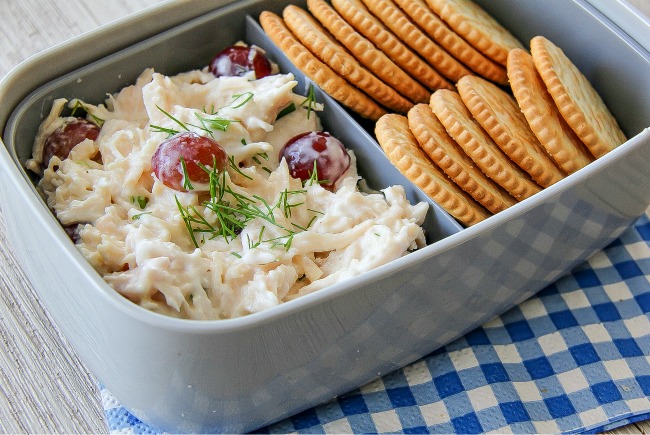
44,388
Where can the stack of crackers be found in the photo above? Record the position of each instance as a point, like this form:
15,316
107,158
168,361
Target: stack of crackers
463,110
379,56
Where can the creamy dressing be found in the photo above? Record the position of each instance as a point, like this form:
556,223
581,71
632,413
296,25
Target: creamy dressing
133,229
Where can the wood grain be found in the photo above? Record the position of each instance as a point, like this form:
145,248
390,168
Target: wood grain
44,388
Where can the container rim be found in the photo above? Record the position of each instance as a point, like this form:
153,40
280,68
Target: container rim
113,37
627,17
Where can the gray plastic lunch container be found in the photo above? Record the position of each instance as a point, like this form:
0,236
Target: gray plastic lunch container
240,374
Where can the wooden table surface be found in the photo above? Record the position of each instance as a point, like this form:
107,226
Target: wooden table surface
44,388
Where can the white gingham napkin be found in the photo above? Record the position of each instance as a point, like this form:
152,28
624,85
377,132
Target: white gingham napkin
574,358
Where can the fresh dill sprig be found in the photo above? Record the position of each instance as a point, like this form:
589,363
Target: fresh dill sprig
169,115
158,129
263,155
313,177
246,97
212,110
233,211
190,216
78,105
283,203
257,159
135,217
287,110
187,184
203,125
284,241
217,123
310,101
207,124
170,131
141,200
260,239
235,167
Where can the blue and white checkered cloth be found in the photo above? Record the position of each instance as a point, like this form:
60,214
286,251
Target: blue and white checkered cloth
574,358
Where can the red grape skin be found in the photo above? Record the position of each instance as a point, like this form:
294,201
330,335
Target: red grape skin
331,157
71,231
237,60
66,137
194,150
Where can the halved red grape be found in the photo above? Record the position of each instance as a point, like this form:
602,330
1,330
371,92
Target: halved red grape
237,60
331,157
66,137
192,151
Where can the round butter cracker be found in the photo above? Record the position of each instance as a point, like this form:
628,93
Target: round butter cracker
500,116
367,53
320,42
578,102
479,146
316,70
359,17
401,148
448,156
397,21
543,117
477,27
423,16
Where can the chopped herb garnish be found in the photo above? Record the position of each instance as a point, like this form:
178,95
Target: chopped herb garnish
235,167
252,244
247,96
78,105
207,124
158,129
135,217
182,125
257,159
204,126
311,221
217,123
298,226
287,110
289,241
310,101
313,178
141,200
212,110
187,184
283,202
234,210
191,216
